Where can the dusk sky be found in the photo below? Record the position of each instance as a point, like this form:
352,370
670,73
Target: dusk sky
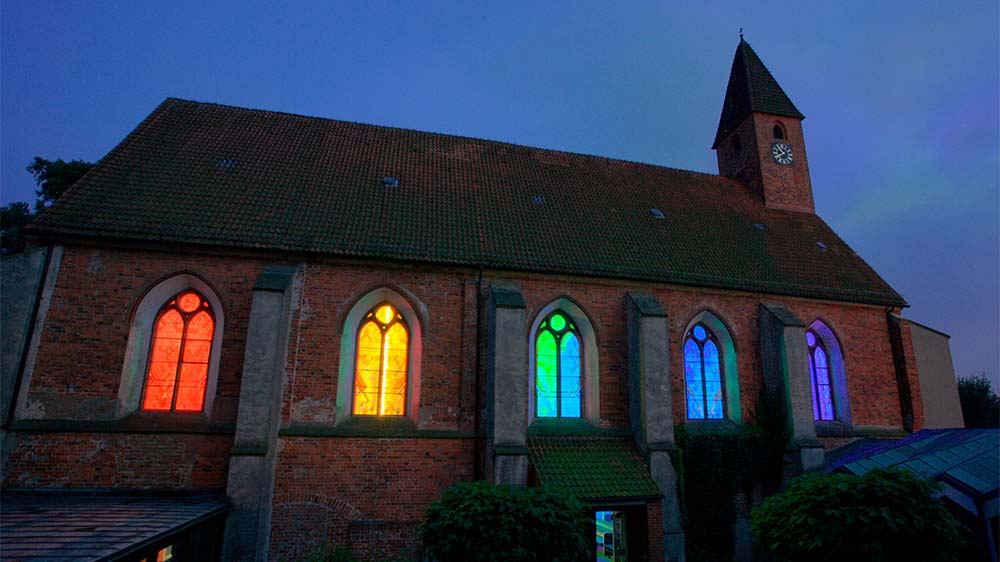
901,100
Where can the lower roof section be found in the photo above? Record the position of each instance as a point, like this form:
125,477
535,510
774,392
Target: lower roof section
99,525
593,468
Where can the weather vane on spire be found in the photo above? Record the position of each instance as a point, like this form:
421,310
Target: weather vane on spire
741,34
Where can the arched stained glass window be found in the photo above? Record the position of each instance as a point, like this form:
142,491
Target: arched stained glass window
819,377
382,359
558,364
703,375
178,362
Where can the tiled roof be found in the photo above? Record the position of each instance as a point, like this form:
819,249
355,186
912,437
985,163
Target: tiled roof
751,88
197,173
592,468
966,459
64,526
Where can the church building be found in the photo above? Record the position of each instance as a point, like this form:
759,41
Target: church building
245,334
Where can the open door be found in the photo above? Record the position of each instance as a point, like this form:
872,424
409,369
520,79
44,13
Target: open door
612,544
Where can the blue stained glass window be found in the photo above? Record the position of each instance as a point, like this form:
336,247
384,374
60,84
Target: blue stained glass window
703,376
558,368
819,379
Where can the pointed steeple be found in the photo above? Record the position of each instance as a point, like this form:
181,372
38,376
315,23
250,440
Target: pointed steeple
751,89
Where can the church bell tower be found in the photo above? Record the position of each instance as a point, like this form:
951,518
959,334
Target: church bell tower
759,141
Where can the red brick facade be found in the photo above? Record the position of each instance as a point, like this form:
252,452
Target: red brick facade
778,186
367,490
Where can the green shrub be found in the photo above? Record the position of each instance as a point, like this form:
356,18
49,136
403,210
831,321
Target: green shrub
883,516
485,522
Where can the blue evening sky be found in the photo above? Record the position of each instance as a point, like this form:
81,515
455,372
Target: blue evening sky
901,99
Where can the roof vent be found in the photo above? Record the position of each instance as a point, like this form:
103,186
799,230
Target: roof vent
658,214
821,245
390,181
759,226
226,164
538,199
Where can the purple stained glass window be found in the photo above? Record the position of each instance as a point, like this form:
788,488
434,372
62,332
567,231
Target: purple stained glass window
819,378
558,368
703,375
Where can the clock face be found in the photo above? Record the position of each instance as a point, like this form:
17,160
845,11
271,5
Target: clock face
782,153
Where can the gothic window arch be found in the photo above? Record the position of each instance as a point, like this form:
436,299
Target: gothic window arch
779,131
558,368
827,375
380,356
174,347
711,380
819,378
381,367
563,364
705,388
177,374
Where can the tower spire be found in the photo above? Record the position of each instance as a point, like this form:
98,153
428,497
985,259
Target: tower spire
759,141
751,88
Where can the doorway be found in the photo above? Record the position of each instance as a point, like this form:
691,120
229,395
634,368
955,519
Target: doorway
620,533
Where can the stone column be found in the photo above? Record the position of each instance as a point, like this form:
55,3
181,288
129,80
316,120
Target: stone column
785,361
251,468
506,385
651,408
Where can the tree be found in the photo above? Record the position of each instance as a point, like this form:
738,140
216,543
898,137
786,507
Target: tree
980,405
53,178
13,218
886,515
486,522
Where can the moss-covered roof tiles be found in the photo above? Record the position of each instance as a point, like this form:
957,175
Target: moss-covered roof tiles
592,468
198,173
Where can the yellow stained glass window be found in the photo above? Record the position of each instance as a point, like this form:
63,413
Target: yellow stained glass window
382,361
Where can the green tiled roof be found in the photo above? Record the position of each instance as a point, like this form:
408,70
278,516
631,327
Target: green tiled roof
592,468
751,88
212,175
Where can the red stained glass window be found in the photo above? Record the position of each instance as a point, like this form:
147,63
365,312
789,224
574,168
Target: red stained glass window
178,359
382,358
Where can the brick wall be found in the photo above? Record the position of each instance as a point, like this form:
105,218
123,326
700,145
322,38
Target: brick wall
780,186
117,460
79,368
370,491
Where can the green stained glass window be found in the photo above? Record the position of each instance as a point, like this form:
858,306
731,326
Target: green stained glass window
558,368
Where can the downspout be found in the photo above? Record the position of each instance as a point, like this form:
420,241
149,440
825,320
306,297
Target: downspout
477,470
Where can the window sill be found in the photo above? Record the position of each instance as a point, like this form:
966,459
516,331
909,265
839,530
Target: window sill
370,427
572,426
840,429
697,427
832,428
139,422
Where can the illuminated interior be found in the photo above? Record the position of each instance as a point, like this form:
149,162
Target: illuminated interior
819,377
610,536
703,375
182,345
383,354
558,388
